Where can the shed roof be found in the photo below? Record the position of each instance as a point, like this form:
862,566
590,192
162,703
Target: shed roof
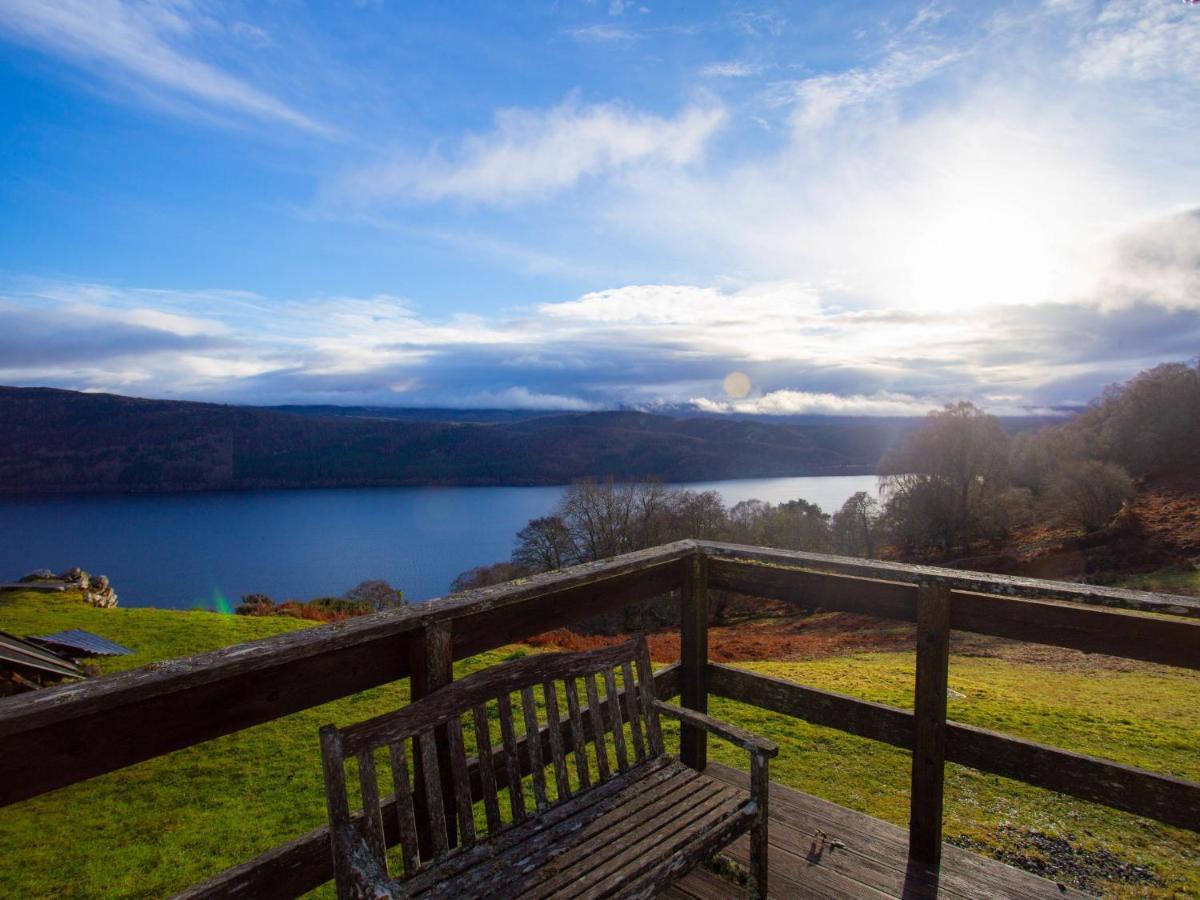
84,642
16,652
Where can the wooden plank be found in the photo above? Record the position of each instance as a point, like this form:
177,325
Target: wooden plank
432,666
1169,641
957,579
929,722
615,719
304,863
538,832
820,707
372,820
461,780
554,728
577,735
693,660
337,803
61,735
402,802
629,692
434,805
649,690
487,772
1175,801
815,590
533,747
589,683
512,759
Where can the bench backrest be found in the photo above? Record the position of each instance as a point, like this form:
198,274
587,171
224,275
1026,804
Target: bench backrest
436,788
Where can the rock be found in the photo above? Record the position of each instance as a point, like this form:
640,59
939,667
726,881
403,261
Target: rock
99,592
75,576
37,575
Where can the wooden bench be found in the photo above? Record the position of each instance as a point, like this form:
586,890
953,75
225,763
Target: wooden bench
625,820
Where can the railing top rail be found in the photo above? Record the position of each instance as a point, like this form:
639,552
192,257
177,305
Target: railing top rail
959,579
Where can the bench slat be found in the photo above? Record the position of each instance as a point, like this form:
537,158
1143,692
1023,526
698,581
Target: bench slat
554,729
487,769
533,746
461,779
646,695
372,820
433,793
631,708
589,683
406,821
578,740
618,728
512,763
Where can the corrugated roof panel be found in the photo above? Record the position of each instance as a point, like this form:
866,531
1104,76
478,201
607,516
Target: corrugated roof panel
84,641
17,652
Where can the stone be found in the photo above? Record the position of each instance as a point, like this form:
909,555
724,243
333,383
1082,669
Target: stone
38,575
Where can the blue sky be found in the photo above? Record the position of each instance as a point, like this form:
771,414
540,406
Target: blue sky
863,208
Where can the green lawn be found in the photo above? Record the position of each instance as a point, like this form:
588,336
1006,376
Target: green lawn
1169,581
160,825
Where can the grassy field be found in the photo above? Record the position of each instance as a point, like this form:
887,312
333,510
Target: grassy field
163,824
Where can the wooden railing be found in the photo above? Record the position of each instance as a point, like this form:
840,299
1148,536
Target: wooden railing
62,735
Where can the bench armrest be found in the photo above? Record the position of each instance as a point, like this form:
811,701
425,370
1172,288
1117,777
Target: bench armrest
731,733
366,878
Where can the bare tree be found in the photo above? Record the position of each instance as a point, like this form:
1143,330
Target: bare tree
545,544
377,594
853,526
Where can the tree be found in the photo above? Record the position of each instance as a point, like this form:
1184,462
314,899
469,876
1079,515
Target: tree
545,544
484,576
944,483
853,526
378,595
1089,493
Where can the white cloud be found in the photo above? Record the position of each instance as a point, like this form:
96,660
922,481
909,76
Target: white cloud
600,34
536,153
783,403
731,69
140,42
1140,40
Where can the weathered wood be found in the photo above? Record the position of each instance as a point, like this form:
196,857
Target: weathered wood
647,696
929,722
629,692
61,735
402,801
336,804
693,660
486,768
1175,801
579,742
432,665
737,736
820,707
760,780
372,819
956,579
305,862
554,728
512,759
533,747
435,805
461,780
615,719
589,684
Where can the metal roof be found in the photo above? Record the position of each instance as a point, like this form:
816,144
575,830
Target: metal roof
84,642
17,652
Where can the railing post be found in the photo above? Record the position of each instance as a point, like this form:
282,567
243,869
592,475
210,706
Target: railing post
432,665
693,658
929,722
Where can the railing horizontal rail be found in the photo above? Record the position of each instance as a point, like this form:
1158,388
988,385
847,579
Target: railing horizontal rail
55,737
305,863
1170,641
957,579
1175,801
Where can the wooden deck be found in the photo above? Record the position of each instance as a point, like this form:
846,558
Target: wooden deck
821,850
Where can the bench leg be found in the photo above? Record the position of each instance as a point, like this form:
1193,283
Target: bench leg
759,779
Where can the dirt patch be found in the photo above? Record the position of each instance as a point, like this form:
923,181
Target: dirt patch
790,638
1060,859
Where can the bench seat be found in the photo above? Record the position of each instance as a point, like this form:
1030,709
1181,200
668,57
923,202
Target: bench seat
631,837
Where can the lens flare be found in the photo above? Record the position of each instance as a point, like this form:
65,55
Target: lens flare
737,385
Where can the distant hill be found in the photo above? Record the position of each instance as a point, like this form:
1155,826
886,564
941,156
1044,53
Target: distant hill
65,441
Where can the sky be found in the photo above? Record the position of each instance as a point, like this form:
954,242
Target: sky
844,208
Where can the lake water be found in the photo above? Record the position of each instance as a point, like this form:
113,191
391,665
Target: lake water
186,550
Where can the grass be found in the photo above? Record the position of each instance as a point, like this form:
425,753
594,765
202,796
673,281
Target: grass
1168,581
158,826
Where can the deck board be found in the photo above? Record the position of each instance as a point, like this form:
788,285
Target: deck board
820,849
